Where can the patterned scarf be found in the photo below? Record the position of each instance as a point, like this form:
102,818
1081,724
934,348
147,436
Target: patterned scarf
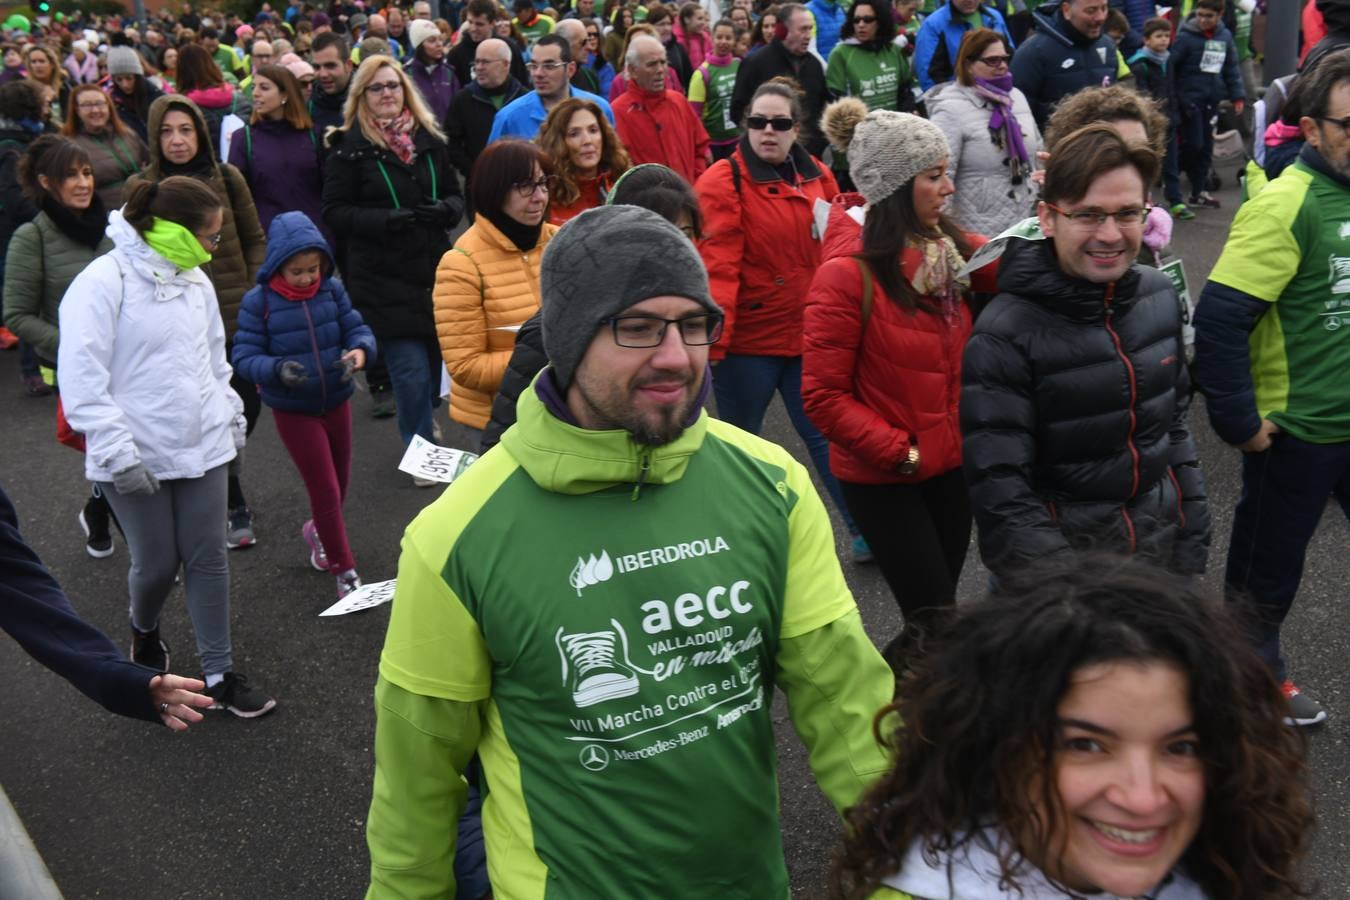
1003,123
939,273
398,134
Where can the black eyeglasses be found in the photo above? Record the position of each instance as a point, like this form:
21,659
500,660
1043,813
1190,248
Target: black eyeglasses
645,332
864,20
995,61
777,123
1344,123
1088,220
527,188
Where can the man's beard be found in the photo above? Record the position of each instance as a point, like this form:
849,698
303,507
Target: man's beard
667,428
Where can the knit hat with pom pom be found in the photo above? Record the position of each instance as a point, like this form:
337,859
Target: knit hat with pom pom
885,149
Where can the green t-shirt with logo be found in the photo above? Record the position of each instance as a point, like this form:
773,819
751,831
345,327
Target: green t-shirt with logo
1290,246
620,615
532,32
712,86
873,76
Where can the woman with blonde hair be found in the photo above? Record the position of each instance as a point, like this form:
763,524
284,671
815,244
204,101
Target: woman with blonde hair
278,153
390,194
115,151
45,70
587,157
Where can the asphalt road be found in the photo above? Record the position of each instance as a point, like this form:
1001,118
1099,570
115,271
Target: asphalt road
275,808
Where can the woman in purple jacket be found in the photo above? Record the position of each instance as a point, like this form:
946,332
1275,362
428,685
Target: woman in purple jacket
278,152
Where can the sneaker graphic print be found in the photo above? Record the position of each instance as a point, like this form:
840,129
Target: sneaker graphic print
590,669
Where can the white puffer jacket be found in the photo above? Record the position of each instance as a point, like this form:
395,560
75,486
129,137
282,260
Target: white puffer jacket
986,200
142,363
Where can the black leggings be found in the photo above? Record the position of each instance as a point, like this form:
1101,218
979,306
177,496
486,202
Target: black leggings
919,534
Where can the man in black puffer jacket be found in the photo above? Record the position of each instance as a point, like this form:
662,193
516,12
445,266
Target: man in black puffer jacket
1074,384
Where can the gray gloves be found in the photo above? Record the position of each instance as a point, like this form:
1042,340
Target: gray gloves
135,480
292,373
346,367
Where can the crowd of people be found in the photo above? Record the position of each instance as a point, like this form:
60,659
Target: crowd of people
616,233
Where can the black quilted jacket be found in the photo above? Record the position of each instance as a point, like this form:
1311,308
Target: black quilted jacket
1073,417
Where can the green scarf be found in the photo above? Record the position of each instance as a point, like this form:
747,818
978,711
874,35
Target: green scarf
176,244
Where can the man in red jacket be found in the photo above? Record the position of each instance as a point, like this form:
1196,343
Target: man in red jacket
655,124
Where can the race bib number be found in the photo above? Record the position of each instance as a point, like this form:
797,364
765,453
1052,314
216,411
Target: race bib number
1211,63
1175,271
426,460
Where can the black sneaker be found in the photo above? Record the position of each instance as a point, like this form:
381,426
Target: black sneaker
94,520
1303,710
382,404
239,529
234,694
148,649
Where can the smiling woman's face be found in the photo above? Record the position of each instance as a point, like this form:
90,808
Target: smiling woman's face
1129,779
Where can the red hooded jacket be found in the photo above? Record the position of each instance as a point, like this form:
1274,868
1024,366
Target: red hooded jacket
876,389
760,248
661,127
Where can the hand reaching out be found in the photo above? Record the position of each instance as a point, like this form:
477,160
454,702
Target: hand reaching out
349,362
177,699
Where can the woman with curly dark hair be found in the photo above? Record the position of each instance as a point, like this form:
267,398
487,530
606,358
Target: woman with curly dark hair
1100,729
587,157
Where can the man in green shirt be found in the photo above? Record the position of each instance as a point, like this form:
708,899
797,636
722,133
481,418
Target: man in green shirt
1271,358
600,608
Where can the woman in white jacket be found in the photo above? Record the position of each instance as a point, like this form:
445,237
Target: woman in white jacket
992,135
145,379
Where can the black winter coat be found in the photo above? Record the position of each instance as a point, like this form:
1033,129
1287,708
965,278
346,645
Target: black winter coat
1073,417
15,206
527,361
772,61
391,258
468,122
1059,60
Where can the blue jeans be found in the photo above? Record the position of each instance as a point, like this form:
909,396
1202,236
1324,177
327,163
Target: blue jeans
415,375
744,387
1284,490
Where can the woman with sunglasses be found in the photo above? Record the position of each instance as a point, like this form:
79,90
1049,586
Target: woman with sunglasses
390,193
761,248
992,134
144,378
488,285
867,64
604,72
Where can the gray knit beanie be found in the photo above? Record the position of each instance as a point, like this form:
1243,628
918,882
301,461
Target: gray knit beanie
124,61
885,149
602,262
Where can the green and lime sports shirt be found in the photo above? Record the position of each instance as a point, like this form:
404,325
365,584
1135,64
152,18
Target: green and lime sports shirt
1290,247
604,623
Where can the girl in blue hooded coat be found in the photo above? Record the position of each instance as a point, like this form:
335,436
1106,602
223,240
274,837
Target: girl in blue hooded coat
300,340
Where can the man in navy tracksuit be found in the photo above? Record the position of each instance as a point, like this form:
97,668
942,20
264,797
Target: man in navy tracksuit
1069,51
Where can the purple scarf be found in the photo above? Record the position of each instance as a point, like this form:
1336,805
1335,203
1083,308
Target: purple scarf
1003,123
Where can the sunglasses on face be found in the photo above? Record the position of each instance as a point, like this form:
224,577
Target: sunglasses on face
777,123
864,20
995,61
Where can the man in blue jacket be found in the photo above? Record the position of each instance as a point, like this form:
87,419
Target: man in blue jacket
1069,51
551,70
940,35
829,16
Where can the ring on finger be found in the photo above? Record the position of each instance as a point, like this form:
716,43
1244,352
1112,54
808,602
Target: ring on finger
164,707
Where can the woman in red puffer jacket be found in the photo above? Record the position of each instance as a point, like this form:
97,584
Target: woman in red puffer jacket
886,323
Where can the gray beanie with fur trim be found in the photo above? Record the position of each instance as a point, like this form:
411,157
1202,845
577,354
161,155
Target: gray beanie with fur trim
885,149
604,261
